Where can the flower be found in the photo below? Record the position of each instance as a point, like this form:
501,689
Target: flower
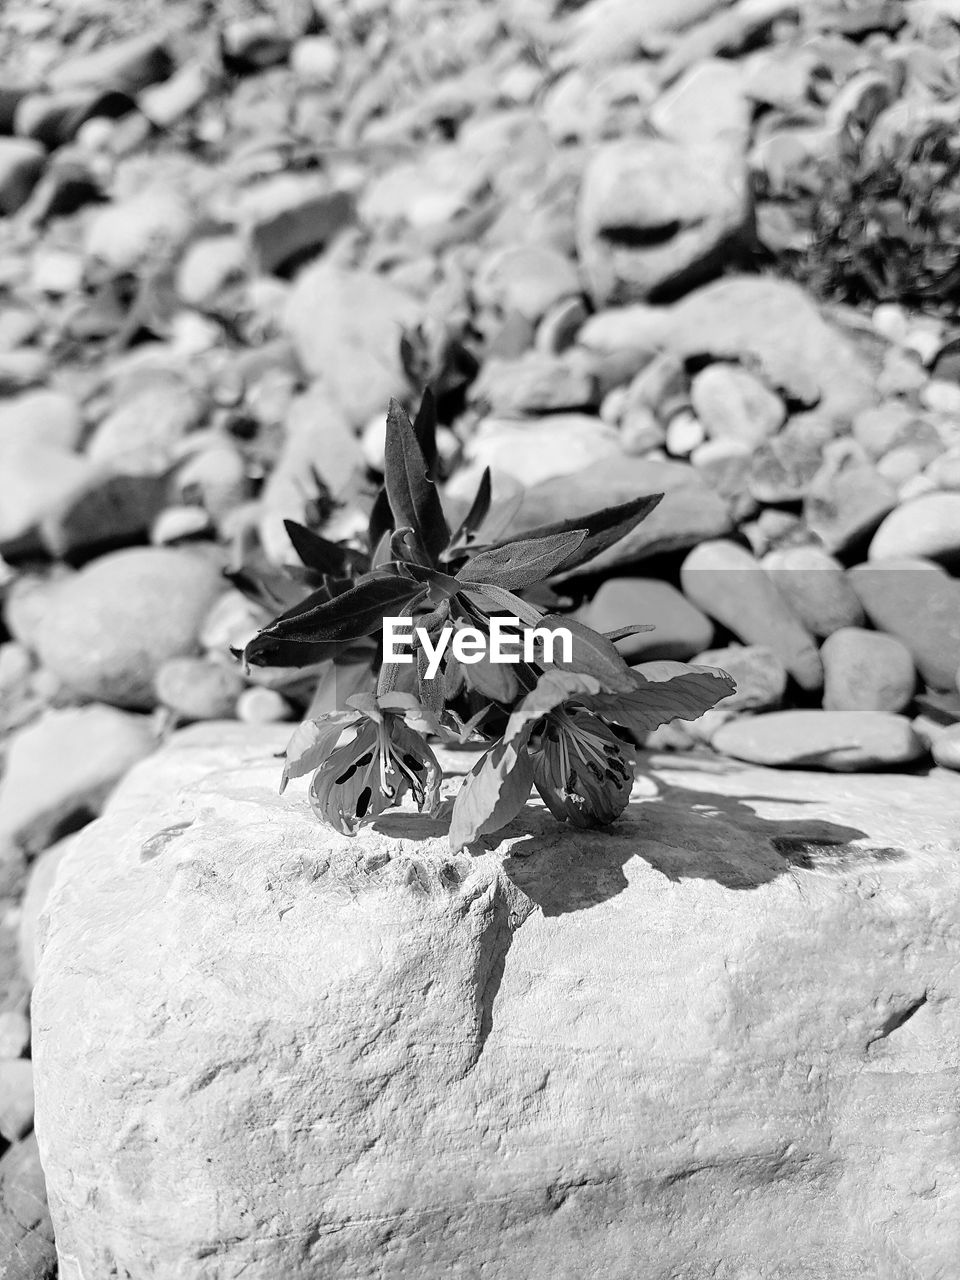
373,770
580,767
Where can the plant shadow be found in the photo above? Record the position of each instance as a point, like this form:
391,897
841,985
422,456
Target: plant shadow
684,833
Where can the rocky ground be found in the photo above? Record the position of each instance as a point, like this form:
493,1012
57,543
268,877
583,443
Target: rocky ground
600,230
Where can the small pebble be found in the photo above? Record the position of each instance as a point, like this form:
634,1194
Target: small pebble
14,1033
262,706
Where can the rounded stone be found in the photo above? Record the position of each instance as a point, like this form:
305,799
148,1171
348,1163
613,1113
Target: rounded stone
839,741
866,671
919,603
945,747
760,676
262,706
680,628
733,404
813,584
106,630
198,689
929,527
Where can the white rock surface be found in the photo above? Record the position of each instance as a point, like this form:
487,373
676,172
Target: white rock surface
719,1041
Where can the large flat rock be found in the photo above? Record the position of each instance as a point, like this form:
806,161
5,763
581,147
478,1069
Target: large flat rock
720,1040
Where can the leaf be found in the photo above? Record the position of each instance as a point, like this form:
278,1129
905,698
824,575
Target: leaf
493,793
477,514
320,553
381,522
621,633
266,650
664,691
412,712
517,564
425,429
413,496
591,654
602,528
357,612
312,742
484,594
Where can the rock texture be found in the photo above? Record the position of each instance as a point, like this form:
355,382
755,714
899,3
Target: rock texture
728,1028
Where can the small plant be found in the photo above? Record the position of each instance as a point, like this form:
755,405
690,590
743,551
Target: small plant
888,228
564,724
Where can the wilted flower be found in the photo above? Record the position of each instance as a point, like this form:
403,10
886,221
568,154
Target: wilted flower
580,768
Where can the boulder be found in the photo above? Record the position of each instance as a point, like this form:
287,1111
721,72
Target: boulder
727,1026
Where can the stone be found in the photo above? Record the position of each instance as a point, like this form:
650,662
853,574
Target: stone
607,31
941,397
164,105
916,601
252,44
884,426
175,524
684,434
866,671
734,405
14,1033
16,1098
65,764
656,216
661,381
295,981
945,747
726,468
706,102
847,498
315,59
815,586
687,513
27,1250
784,466
533,383
104,511
26,367
283,237
214,477
346,327
262,706
231,623
773,327
125,65
527,279
928,528
906,462
21,163
840,741
106,630
760,676
540,449
209,266
149,226
680,628
640,430
49,418
724,580
198,689
40,880
141,433
35,480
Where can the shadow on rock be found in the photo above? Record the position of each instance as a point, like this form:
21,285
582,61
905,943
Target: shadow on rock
685,833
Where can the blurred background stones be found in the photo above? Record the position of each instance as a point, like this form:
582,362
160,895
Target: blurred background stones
629,242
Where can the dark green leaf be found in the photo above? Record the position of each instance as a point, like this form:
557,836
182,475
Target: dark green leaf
482,595
425,429
413,496
621,633
272,651
381,522
320,553
493,793
517,564
602,528
357,612
477,514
